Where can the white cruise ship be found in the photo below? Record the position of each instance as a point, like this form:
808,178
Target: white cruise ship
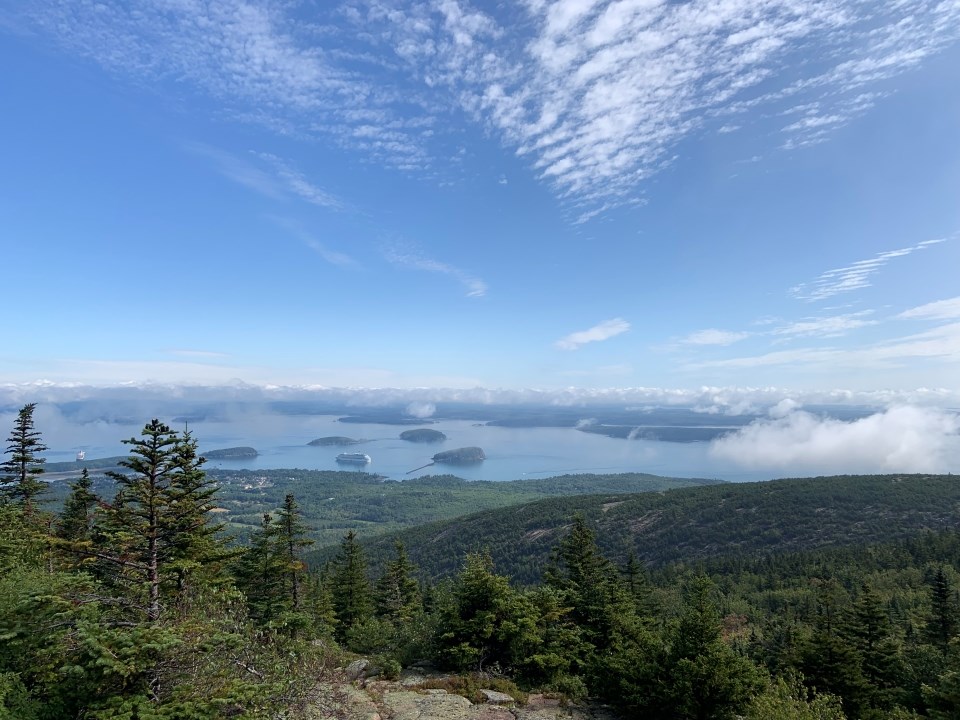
356,458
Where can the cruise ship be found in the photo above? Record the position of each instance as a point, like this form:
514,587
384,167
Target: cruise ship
356,458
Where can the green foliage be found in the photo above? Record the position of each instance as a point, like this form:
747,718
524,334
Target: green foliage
397,593
19,472
790,700
352,595
76,519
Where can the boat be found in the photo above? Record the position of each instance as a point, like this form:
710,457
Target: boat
81,455
356,458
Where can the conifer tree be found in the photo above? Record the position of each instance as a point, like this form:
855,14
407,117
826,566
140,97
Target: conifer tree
260,574
589,583
291,533
351,589
76,519
942,623
19,473
195,541
398,594
156,530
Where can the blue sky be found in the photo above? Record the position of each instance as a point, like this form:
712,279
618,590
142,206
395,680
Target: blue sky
450,194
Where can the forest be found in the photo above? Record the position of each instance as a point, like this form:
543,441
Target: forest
140,604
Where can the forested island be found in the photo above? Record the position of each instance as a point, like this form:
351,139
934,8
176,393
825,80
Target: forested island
805,599
233,453
423,435
335,441
460,456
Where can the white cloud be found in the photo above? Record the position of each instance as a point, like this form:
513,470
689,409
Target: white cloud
298,184
826,327
899,439
282,179
405,257
854,276
714,337
378,387
940,343
939,310
333,257
421,409
596,94
603,331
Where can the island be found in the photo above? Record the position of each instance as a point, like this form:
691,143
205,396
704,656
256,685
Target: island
460,456
234,453
334,440
422,435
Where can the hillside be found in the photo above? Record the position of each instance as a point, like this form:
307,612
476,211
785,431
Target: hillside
693,524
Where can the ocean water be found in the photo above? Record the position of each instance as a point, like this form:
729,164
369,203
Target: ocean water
512,453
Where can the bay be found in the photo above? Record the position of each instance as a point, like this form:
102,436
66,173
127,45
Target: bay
512,453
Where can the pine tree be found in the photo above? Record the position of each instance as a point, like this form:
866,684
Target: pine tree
351,589
398,594
18,474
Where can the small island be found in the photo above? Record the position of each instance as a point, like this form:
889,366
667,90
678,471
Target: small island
422,435
460,456
334,440
234,453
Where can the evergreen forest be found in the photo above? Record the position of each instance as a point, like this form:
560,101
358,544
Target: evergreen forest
131,598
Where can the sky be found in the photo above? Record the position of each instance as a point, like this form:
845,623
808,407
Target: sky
450,194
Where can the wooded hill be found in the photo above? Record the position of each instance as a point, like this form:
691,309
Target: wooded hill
334,502
690,524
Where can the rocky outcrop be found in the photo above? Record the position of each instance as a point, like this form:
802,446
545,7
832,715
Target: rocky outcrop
369,698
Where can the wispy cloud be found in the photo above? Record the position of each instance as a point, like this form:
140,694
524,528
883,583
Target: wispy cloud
595,94
408,258
714,337
266,174
197,353
854,276
939,310
940,343
826,327
293,227
603,331
299,185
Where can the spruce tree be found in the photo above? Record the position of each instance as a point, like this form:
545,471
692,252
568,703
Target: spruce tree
291,533
351,589
260,574
76,519
19,473
398,594
942,622
195,541
589,583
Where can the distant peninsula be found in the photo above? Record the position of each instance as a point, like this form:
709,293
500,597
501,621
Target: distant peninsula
460,456
385,419
335,440
234,453
422,435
